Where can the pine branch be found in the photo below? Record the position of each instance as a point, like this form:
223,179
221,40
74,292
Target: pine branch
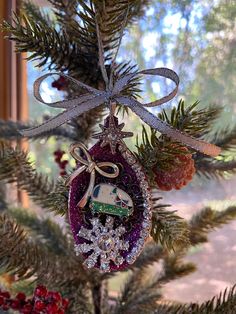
213,169
80,23
15,167
168,229
224,303
3,204
19,256
37,13
226,139
9,130
159,151
43,231
45,43
139,294
57,200
207,220
151,253
195,122
174,267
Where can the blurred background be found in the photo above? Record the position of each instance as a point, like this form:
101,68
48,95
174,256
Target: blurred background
198,40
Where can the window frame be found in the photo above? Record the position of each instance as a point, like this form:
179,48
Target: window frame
13,81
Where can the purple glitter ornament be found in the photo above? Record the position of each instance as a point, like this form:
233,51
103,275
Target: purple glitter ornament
110,242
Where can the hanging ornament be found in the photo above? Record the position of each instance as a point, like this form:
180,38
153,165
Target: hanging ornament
109,200
179,173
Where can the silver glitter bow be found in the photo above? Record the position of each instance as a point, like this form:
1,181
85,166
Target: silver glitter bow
113,94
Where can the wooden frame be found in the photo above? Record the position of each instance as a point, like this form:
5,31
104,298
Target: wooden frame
13,76
13,79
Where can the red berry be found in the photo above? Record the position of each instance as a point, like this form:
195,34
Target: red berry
52,308
63,164
60,311
57,160
65,303
55,84
21,296
57,297
5,294
15,305
27,309
1,301
39,305
40,291
5,307
49,296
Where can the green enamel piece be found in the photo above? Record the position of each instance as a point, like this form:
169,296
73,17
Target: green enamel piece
110,209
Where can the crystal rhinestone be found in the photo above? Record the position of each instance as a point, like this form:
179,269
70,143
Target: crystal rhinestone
95,221
121,230
106,243
105,267
109,220
135,250
119,260
83,232
130,259
144,233
145,224
147,214
85,247
89,263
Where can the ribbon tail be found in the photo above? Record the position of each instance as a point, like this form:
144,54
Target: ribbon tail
89,191
168,130
75,174
63,117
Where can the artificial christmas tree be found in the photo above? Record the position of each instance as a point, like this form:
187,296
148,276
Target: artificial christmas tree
81,41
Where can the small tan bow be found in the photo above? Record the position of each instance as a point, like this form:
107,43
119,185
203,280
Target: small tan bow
90,166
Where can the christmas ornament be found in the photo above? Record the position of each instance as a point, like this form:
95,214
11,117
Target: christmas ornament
110,203
109,200
180,172
42,302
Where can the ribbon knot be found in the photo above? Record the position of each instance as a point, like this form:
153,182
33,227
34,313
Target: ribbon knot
89,165
94,98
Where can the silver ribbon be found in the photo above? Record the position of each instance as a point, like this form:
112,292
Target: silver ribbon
94,98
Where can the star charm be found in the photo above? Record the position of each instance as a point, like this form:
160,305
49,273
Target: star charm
112,134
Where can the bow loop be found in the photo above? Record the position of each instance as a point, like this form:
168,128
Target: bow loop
94,98
89,165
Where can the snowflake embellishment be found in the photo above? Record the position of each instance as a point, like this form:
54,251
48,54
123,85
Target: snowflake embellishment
106,244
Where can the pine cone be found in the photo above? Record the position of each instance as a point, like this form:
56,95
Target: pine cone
180,173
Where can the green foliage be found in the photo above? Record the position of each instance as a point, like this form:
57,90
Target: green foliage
175,268
43,43
169,229
159,151
16,167
190,119
211,168
151,253
9,130
43,231
139,295
207,220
